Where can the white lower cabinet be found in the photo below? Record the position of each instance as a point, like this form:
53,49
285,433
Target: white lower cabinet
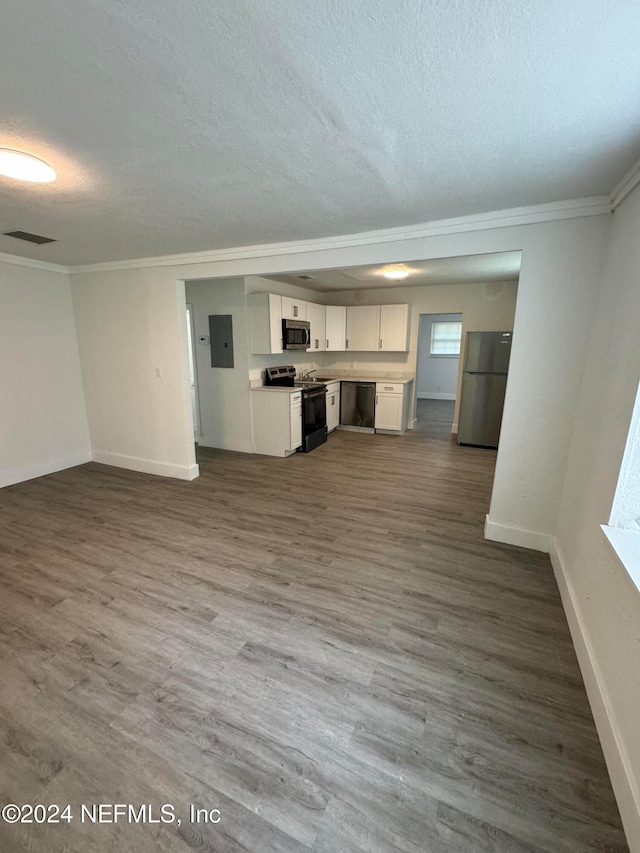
392,399
333,405
295,421
276,418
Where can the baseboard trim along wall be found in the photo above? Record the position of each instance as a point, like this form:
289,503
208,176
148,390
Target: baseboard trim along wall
515,536
625,785
427,395
147,466
10,476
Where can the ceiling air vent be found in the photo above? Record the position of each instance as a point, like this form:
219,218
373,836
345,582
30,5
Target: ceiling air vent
306,277
30,238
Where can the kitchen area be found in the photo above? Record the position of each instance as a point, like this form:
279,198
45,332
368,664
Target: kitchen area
294,410
294,366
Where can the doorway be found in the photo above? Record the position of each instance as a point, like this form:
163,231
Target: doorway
193,379
438,362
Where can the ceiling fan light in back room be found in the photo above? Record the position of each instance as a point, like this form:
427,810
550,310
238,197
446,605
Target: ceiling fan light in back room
25,167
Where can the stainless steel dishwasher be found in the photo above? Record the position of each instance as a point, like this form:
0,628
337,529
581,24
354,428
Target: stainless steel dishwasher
358,406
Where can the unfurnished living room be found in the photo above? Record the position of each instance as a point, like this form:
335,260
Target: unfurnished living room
320,427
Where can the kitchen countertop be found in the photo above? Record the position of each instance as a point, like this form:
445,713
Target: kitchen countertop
346,376
355,376
276,389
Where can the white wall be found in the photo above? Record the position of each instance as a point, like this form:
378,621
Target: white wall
602,602
135,370
484,307
437,376
223,393
43,423
561,267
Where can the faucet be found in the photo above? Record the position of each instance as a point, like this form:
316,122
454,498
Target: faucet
305,374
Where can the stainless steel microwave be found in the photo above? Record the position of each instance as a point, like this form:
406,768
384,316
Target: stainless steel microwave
296,334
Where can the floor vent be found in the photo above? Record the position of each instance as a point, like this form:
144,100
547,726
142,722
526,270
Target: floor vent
30,238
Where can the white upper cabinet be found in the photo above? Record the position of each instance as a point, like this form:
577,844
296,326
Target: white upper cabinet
394,328
336,328
336,323
375,328
363,327
265,322
316,315
293,309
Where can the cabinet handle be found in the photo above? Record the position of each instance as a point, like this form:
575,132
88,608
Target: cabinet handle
388,387
346,344
376,399
317,343
327,343
380,343
295,310
333,400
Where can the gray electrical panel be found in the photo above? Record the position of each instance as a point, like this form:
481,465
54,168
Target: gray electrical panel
221,337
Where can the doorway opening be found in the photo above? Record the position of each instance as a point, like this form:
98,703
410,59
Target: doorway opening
437,371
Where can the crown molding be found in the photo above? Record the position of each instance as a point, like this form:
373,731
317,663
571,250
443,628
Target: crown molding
625,185
33,263
570,209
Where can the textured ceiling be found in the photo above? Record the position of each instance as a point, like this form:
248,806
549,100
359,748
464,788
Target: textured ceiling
186,126
501,266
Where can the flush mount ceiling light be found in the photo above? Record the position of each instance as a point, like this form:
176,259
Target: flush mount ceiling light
396,272
25,167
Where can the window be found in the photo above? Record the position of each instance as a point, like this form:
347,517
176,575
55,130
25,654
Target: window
445,339
623,530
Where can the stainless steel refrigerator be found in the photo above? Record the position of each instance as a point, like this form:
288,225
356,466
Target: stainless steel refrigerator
484,381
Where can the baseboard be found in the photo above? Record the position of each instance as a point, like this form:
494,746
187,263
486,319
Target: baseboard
147,466
10,476
623,781
424,395
235,446
516,536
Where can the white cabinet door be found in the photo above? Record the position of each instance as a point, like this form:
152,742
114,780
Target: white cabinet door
336,319
363,326
296,425
293,309
265,322
394,328
333,405
388,410
316,315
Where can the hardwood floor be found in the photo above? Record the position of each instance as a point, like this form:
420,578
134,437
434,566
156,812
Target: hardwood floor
323,648
434,418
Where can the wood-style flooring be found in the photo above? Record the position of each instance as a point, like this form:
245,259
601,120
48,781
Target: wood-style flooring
434,418
322,647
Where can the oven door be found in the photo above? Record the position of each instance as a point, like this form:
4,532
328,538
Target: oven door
314,418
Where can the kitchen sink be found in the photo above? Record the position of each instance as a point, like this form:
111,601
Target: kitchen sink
324,379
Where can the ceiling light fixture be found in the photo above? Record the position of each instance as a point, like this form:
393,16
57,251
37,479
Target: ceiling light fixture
25,167
396,273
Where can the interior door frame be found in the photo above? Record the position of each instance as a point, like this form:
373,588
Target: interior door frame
197,432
